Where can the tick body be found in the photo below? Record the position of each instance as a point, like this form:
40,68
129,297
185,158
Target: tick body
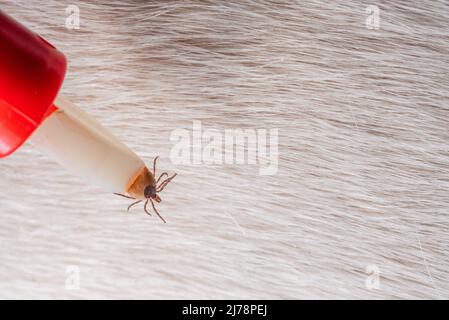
145,187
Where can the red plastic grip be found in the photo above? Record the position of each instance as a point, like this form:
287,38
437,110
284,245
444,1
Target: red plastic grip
31,74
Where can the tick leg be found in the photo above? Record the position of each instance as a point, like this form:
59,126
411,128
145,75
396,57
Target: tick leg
134,203
154,165
164,184
160,177
122,195
145,208
155,210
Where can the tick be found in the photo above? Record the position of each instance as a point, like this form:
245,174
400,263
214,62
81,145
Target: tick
146,188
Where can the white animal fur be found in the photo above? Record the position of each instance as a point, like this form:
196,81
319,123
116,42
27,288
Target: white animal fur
363,180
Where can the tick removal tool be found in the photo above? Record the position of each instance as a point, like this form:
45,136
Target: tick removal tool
31,74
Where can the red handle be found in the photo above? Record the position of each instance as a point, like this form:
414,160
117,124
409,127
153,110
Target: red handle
31,74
